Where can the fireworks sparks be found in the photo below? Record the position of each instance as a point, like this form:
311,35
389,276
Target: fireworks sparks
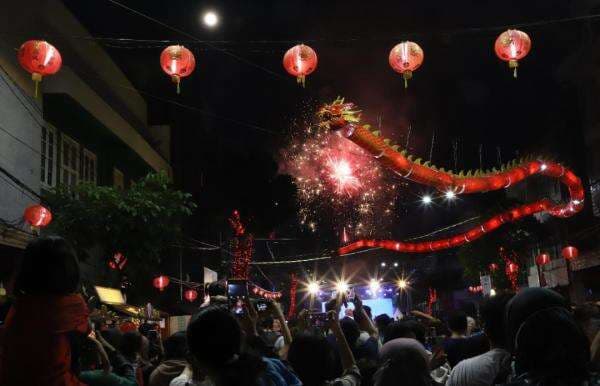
339,185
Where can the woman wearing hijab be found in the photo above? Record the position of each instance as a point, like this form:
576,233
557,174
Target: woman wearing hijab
403,361
548,345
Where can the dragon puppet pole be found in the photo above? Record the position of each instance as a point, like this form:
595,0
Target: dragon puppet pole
342,117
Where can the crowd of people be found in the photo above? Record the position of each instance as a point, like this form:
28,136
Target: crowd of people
533,337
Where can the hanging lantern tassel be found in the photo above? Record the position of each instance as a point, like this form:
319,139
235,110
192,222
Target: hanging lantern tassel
301,80
514,65
407,75
177,80
37,78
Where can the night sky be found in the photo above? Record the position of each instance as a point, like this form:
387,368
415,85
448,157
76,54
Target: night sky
227,140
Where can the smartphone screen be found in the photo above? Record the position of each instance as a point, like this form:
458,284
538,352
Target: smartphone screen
237,293
261,306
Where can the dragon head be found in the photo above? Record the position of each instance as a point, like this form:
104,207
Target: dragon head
335,115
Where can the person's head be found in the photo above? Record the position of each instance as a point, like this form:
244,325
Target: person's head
492,317
131,344
418,329
49,266
471,324
267,323
403,360
276,325
349,313
382,321
214,339
350,329
545,339
457,323
312,358
397,330
175,346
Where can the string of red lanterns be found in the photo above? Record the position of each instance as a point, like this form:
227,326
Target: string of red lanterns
40,58
570,252
190,295
161,282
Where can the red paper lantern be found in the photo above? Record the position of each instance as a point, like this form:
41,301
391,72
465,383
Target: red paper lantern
542,259
299,61
511,46
39,58
512,268
493,267
178,62
405,58
37,216
570,252
190,295
161,282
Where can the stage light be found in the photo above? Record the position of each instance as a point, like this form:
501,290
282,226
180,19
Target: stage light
374,285
396,265
383,263
402,284
426,199
492,292
450,195
210,19
341,286
313,288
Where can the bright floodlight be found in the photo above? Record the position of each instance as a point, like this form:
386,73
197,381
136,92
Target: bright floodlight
383,263
402,283
396,264
544,167
426,199
341,286
313,288
374,285
210,19
450,195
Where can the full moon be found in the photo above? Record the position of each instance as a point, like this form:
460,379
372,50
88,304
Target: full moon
210,19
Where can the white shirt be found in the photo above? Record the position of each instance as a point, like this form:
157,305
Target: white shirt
481,370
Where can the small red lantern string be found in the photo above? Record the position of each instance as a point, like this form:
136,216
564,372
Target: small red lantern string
405,58
37,216
300,61
161,282
570,252
39,58
511,46
293,291
178,62
493,267
511,267
190,295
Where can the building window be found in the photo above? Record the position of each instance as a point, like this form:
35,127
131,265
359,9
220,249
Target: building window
89,167
118,179
69,168
48,166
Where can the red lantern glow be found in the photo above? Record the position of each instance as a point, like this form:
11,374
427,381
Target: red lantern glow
39,58
299,61
570,252
128,326
37,216
542,259
178,62
118,261
511,46
493,267
405,58
161,282
512,268
190,295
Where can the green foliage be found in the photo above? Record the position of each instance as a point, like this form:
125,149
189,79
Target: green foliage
141,222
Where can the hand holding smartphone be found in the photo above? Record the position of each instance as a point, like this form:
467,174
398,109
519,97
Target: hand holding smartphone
237,294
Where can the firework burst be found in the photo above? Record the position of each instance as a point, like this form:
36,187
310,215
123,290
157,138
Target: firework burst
339,185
